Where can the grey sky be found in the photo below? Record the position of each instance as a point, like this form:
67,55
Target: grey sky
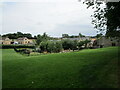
51,16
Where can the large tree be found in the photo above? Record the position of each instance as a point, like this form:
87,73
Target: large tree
106,18
40,38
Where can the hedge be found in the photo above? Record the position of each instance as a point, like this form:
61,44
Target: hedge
16,46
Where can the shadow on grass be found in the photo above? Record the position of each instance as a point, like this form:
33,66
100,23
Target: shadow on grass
98,75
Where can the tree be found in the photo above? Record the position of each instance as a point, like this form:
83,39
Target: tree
113,19
35,37
41,38
86,42
80,44
74,45
51,46
58,46
67,44
43,46
99,35
17,35
80,35
45,36
107,18
72,36
28,35
65,35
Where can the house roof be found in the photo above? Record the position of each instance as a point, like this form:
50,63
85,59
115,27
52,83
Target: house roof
72,38
4,38
80,38
22,38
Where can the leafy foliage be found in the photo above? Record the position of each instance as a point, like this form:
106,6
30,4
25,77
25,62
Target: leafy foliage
16,46
74,45
80,35
41,38
86,42
57,46
113,19
72,36
80,44
65,35
106,18
67,44
17,35
50,46
99,35
23,51
43,46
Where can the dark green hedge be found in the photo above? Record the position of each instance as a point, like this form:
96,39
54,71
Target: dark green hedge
16,46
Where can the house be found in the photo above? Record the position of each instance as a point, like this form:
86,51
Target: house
24,40
0,40
32,41
73,39
5,40
92,40
85,38
108,41
79,38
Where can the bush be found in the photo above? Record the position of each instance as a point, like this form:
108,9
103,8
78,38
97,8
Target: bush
80,44
15,46
67,44
58,46
50,46
86,42
74,45
22,51
43,46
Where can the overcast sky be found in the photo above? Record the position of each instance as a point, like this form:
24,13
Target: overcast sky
54,17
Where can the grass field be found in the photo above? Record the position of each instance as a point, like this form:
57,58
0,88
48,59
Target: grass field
90,68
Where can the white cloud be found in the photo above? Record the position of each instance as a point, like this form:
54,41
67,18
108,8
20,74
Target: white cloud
58,1
44,16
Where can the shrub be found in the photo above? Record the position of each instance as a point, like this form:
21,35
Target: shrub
58,46
74,45
51,46
67,44
86,42
80,44
15,46
43,46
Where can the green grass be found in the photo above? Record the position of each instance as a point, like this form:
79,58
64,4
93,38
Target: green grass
96,68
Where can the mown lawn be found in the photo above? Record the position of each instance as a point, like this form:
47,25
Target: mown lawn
91,68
